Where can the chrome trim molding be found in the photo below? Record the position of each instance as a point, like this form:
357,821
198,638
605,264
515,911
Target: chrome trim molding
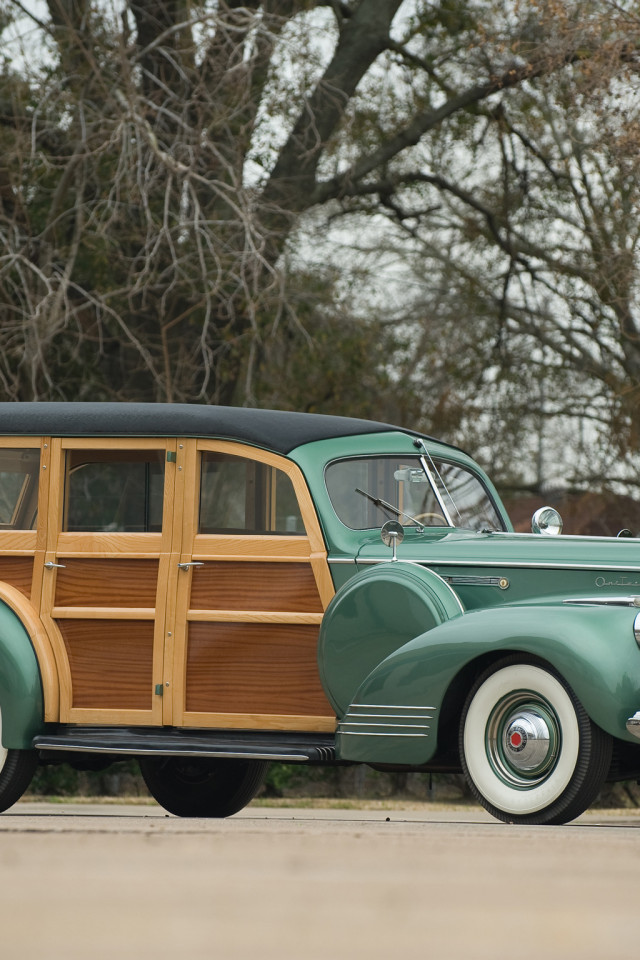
434,485
463,581
395,716
633,725
632,601
386,706
353,733
515,564
396,726
178,752
390,720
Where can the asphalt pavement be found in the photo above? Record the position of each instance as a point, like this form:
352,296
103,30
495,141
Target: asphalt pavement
87,882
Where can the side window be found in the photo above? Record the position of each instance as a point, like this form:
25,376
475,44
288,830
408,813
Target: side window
114,490
238,495
19,474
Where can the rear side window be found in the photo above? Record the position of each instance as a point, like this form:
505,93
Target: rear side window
238,495
19,474
114,491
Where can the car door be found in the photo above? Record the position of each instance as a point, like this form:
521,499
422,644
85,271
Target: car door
252,582
105,573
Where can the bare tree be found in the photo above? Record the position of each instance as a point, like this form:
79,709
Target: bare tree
159,159
522,231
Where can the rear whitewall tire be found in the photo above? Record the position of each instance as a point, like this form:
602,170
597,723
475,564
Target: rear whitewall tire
568,756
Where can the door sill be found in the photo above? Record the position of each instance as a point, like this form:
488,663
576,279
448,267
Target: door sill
283,746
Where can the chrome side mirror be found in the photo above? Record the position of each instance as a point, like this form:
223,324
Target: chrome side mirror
546,521
391,534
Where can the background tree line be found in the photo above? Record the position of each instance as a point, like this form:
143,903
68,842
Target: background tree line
423,211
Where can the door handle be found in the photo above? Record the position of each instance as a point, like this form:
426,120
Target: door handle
191,563
50,565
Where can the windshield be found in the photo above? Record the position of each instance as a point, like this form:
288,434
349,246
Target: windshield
435,493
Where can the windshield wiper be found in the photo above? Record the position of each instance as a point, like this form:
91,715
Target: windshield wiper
389,506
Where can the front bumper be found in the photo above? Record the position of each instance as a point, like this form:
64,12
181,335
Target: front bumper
633,725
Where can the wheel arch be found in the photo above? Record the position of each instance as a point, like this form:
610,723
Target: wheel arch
28,675
377,612
592,649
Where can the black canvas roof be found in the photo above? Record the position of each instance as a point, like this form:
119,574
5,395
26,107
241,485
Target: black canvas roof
276,430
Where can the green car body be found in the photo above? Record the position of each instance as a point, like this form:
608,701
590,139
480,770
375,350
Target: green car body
480,596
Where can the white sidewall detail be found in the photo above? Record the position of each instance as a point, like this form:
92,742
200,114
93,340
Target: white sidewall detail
525,677
3,750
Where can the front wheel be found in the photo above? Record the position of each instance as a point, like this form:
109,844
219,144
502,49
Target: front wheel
202,786
528,749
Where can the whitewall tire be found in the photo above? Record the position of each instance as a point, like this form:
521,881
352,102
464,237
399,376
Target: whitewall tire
528,749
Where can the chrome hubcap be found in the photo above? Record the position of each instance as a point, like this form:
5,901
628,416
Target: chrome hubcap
526,740
522,739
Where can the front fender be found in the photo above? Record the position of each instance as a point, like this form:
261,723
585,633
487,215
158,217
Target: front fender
21,699
377,611
592,647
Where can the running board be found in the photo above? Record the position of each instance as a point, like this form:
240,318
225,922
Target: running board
228,744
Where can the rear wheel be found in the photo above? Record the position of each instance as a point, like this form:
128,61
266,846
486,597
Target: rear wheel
202,786
528,749
17,768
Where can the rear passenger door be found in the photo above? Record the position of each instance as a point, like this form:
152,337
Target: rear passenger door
105,573
252,582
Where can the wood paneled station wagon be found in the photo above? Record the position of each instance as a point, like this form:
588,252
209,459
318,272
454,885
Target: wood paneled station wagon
209,589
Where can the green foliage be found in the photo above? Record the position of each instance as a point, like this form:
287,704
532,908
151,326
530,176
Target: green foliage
111,780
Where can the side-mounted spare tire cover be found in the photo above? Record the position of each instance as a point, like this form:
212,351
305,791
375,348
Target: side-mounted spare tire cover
374,614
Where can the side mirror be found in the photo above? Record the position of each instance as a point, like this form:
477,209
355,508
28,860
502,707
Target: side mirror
391,534
546,521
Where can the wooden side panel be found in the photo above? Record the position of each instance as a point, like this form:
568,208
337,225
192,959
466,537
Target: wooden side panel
255,669
18,571
107,583
110,662
255,586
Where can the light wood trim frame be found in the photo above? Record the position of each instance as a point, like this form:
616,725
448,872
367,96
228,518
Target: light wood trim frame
104,613
251,616
275,548
32,543
278,547
317,553
260,721
28,616
61,545
18,543
15,443
102,546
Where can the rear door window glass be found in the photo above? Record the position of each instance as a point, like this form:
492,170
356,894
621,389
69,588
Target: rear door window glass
114,491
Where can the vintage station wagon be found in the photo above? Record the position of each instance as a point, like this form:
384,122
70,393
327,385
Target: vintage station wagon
209,589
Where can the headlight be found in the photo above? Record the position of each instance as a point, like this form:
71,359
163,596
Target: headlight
636,628
548,521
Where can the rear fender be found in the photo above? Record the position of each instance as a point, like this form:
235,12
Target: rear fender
21,697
